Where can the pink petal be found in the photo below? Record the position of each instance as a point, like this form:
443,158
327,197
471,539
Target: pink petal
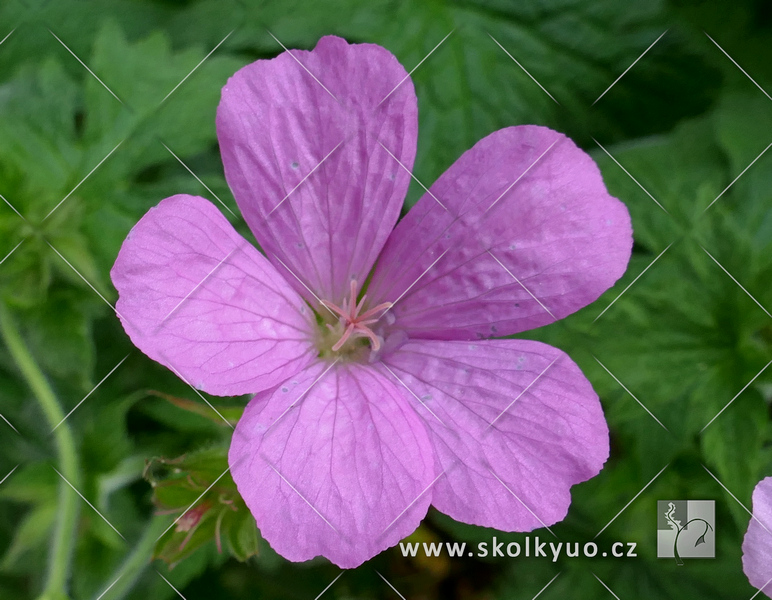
562,238
342,469
198,298
515,424
277,122
757,546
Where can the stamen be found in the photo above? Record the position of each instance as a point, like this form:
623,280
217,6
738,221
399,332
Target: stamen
356,325
344,338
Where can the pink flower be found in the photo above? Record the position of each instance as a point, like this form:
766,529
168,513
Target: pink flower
377,390
757,546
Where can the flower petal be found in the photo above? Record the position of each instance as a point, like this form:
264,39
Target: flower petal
198,298
300,137
526,215
757,545
514,423
335,463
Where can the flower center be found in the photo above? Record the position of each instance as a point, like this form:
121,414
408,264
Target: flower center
353,327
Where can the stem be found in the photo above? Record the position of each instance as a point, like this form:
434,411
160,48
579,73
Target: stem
123,579
60,559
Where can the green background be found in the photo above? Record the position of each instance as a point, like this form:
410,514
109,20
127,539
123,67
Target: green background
685,339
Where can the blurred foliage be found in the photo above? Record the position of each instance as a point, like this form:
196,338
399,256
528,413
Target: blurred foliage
83,154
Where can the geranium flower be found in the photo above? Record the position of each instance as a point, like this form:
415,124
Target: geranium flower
377,390
757,545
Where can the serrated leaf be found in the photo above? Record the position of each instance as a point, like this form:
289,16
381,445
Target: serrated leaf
142,74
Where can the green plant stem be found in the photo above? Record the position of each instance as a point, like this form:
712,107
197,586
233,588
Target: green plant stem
60,560
125,577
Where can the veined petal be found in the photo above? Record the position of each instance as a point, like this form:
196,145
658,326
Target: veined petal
334,463
528,234
514,424
757,545
300,137
198,298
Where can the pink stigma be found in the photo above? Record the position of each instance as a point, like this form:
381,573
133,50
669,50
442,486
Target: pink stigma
355,324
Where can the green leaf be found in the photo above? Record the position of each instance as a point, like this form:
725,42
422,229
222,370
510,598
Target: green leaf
60,334
469,87
143,74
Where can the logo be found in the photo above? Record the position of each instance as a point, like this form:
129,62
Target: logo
686,529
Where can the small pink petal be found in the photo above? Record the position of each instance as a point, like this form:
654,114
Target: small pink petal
524,200
514,423
278,121
345,472
757,545
198,298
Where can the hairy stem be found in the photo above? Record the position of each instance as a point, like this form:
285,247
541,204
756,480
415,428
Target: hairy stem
60,559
